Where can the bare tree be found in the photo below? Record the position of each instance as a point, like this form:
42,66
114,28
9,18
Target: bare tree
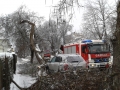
19,34
116,52
52,35
96,19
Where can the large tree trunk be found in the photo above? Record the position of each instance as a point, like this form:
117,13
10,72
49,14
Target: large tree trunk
32,44
116,40
116,52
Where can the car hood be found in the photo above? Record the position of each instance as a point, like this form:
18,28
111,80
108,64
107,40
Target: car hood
83,64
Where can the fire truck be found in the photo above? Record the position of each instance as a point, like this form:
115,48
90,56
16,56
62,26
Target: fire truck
96,53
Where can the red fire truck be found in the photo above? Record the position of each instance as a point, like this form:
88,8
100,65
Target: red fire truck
95,52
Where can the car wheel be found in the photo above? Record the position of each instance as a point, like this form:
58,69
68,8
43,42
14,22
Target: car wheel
47,70
59,69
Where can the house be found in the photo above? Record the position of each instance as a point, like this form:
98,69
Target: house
5,45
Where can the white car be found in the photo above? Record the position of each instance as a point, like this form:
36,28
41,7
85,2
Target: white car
63,62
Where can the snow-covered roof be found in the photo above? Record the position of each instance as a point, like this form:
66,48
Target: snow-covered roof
7,54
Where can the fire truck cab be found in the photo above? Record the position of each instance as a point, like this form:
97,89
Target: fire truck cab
95,52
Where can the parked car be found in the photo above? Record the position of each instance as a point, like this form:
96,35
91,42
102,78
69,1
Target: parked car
63,62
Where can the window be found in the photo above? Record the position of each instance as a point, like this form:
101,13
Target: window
73,49
95,48
83,49
72,59
58,59
53,59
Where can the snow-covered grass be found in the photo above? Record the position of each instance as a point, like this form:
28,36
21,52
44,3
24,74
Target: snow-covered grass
21,79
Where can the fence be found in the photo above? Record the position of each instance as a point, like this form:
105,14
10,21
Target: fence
7,69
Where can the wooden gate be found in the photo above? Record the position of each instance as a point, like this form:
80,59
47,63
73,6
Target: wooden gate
7,69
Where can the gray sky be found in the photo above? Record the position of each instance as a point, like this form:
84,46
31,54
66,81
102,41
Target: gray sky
42,7
38,6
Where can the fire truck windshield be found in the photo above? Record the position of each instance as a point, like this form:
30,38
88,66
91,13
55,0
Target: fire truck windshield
98,48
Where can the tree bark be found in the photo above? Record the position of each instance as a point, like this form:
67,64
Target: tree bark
1,75
116,51
116,41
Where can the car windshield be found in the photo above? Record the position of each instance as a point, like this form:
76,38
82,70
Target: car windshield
98,48
73,59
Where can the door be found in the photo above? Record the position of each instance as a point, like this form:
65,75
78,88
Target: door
84,52
55,62
51,63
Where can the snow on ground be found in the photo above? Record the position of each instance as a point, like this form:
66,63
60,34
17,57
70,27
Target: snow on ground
21,80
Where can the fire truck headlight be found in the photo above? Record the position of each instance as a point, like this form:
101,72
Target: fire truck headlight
110,63
92,65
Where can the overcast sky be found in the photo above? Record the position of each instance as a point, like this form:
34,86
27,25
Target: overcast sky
42,7
38,6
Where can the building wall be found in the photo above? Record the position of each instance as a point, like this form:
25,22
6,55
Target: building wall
4,45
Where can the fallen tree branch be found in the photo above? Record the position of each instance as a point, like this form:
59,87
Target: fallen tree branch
17,85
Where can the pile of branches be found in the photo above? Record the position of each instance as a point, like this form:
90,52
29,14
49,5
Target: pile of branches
80,80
